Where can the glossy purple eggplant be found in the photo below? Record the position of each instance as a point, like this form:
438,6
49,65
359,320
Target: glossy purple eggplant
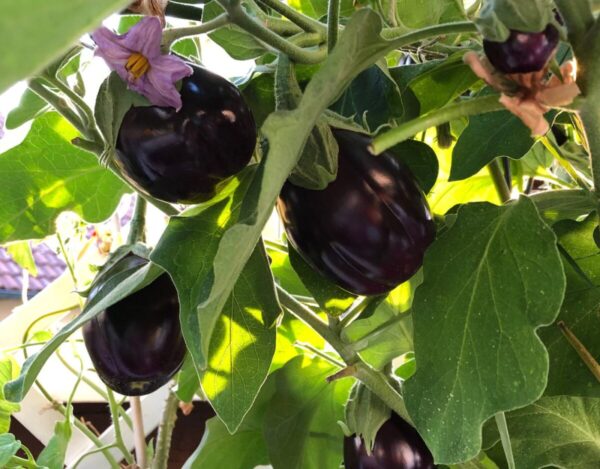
183,156
523,52
397,446
136,345
366,231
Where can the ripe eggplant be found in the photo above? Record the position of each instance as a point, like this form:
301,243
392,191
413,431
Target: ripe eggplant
397,446
523,52
136,345
184,156
368,230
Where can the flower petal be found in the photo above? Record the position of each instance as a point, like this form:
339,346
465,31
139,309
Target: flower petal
111,47
145,37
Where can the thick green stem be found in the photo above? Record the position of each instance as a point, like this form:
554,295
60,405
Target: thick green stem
138,222
499,181
20,462
172,35
578,17
402,37
505,439
165,432
60,105
280,26
434,118
114,414
239,17
333,19
305,22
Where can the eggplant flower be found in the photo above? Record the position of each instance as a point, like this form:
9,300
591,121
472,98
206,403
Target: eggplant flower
137,58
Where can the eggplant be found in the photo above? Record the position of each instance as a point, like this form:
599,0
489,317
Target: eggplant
397,446
136,345
368,230
183,157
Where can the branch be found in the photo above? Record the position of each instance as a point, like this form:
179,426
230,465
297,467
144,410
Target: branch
165,432
431,119
499,181
306,23
175,34
333,19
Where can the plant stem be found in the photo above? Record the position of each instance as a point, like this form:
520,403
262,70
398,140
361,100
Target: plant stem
138,222
60,105
280,26
114,414
138,431
434,118
20,462
355,310
311,348
183,11
400,37
239,17
333,19
499,181
165,432
308,316
583,352
174,34
550,145
305,22
89,453
505,438
578,17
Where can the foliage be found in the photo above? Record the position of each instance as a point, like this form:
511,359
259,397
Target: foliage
288,360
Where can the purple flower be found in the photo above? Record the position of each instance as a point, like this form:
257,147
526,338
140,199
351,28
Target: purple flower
1,126
137,58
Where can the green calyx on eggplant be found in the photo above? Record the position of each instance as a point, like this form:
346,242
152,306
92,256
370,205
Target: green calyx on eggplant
368,230
136,345
185,156
397,446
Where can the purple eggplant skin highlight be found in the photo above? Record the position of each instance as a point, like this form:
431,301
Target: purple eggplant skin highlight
136,345
182,157
523,52
368,230
397,446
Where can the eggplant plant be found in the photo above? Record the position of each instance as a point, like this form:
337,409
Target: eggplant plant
430,296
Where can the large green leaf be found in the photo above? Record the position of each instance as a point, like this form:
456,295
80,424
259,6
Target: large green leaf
30,107
30,38
300,423
559,431
9,370
421,13
46,175
360,45
487,137
555,206
580,312
243,343
8,447
490,281
318,8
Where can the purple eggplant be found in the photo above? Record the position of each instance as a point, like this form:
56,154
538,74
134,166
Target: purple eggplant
136,345
368,230
183,156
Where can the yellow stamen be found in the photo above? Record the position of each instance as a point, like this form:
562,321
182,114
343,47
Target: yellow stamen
137,65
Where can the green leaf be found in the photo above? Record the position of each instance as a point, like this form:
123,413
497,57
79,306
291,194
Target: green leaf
117,287
188,48
20,252
285,275
242,344
443,83
417,14
8,447
30,107
333,299
420,159
30,39
360,45
490,281
300,423
53,455
365,414
188,383
559,431
46,175
318,8
580,312
372,97
555,206
237,43
486,137
259,94
9,369
112,103
384,335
